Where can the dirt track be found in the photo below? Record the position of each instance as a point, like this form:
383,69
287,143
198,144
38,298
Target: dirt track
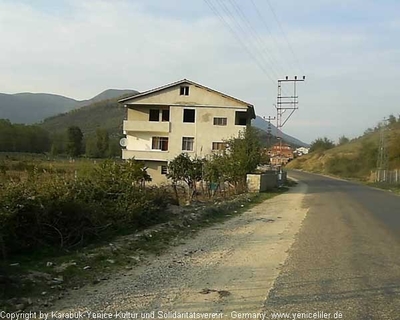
227,267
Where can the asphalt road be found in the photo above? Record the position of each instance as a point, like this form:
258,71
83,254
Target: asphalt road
346,258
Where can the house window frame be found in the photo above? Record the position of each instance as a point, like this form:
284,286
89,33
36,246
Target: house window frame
220,121
219,143
184,91
194,115
150,115
161,144
163,113
164,169
238,117
189,142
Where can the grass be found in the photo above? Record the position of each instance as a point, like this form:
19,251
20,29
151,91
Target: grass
385,186
115,255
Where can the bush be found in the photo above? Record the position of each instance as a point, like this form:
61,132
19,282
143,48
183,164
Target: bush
64,213
343,166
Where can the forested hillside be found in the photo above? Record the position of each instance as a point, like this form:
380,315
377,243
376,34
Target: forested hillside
23,138
107,114
29,108
355,158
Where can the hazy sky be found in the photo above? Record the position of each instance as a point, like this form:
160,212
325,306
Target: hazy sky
348,49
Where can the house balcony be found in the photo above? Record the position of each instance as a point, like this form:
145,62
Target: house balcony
154,155
146,126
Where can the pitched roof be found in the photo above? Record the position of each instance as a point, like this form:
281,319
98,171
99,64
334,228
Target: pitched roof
183,81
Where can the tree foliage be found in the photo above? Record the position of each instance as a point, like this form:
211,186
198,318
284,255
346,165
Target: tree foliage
69,212
74,141
343,140
321,144
102,142
231,165
23,138
183,168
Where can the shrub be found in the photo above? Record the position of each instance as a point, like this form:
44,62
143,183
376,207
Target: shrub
64,213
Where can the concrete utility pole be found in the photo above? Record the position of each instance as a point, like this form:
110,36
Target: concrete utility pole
283,104
382,163
269,135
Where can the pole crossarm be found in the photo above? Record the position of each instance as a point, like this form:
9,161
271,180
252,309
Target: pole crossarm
283,104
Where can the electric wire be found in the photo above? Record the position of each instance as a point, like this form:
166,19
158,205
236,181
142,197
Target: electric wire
285,37
234,33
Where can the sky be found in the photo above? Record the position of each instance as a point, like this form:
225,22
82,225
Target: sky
349,51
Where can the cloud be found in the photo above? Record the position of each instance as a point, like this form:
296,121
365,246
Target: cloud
79,48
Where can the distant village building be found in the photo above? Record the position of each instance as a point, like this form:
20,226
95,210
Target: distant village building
301,151
280,154
183,116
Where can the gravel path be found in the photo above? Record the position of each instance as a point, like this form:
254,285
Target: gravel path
227,267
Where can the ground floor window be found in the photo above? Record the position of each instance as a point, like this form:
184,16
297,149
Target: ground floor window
218,146
164,169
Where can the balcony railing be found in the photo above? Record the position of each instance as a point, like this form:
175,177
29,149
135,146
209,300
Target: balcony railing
155,155
146,126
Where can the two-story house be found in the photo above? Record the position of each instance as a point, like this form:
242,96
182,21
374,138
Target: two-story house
183,116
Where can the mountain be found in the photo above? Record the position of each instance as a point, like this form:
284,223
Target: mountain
30,108
106,95
260,123
106,114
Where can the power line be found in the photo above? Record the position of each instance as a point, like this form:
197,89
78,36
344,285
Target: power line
234,33
285,37
270,33
226,9
255,35
240,27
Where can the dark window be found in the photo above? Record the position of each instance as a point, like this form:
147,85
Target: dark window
154,115
188,115
159,143
218,145
165,115
187,144
164,170
220,121
184,91
241,118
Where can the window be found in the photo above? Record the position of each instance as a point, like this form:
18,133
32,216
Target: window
165,115
154,115
220,121
188,115
164,170
159,143
187,144
218,146
241,118
184,91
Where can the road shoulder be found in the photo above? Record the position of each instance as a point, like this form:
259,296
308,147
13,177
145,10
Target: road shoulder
225,268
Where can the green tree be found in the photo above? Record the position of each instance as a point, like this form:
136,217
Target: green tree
321,144
74,141
343,140
58,143
183,168
91,149
102,142
392,120
242,156
23,138
114,149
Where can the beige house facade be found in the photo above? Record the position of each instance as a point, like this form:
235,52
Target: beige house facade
183,116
